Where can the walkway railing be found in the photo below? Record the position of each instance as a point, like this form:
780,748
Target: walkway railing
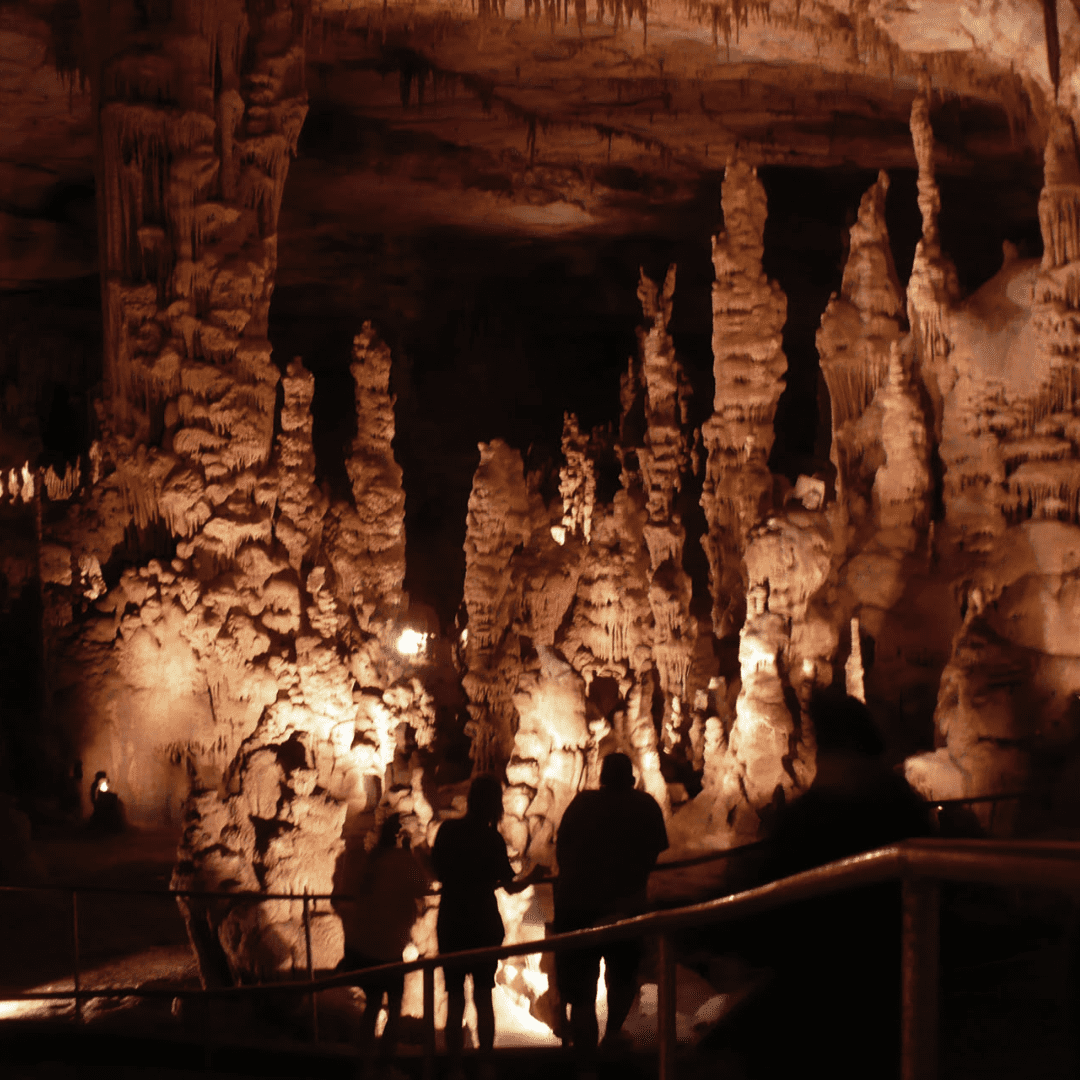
919,865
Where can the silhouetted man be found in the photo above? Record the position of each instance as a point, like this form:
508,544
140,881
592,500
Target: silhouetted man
607,845
388,887
835,958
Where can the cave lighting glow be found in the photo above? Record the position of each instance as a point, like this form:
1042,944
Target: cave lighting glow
412,642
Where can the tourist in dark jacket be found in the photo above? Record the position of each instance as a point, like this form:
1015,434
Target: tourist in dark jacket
471,862
607,846
835,958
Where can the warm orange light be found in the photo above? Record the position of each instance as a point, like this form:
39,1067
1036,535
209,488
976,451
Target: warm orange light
412,642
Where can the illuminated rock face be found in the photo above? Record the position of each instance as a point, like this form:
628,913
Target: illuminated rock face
857,332
246,682
748,363
247,686
1010,449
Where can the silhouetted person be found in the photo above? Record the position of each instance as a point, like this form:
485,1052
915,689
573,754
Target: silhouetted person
855,803
471,862
835,958
107,815
607,846
388,886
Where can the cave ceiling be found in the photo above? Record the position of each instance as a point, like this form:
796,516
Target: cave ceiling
539,117
558,146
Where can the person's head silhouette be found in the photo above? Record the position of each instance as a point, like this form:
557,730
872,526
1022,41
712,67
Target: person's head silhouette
388,834
617,773
843,723
485,799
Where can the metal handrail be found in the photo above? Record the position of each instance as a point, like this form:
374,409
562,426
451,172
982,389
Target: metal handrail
918,864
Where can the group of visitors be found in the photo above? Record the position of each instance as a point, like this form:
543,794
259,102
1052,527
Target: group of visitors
607,845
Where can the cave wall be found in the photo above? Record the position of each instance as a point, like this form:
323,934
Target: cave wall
219,626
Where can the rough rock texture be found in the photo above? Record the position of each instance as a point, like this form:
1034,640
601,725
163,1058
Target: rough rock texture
367,549
857,331
497,525
284,707
301,506
663,460
785,651
1010,450
748,363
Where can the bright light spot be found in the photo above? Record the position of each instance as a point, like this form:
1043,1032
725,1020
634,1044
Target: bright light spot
558,534
104,785
809,668
13,1010
465,636
412,642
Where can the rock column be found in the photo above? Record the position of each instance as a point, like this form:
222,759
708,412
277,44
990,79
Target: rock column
748,363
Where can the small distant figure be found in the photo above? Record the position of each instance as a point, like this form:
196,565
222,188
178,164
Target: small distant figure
107,815
388,886
471,862
607,846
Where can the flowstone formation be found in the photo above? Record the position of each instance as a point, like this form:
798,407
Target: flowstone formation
1004,720
748,362
243,681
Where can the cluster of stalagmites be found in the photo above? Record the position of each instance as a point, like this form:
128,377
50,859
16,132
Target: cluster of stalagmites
246,683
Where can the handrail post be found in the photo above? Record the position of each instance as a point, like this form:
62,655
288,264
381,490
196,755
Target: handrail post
919,975
429,1023
75,951
310,969
665,1007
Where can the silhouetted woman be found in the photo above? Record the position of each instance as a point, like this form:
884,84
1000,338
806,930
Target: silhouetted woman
471,862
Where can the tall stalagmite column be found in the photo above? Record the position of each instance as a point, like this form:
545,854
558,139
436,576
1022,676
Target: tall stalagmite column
857,330
497,525
748,363
933,286
367,540
199,110
663,460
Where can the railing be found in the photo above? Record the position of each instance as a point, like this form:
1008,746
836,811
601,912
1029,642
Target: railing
919,865
994,801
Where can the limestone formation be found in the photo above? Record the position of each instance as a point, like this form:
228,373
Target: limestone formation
301,506
663,460
857,330
748,363
498,524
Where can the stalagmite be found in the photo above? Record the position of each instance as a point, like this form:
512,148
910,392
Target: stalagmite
366,542
663,460
853,666
497,524
903,485
301,506
577,481
933,284
857,331
748,364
